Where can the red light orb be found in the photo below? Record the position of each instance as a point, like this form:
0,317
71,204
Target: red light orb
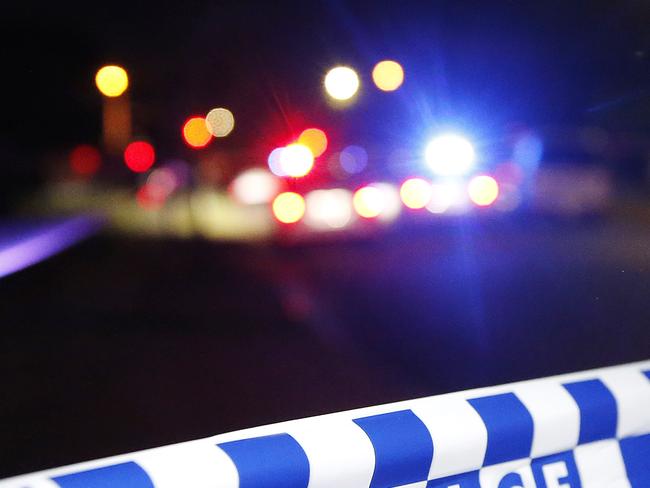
139,156
85,160
151,197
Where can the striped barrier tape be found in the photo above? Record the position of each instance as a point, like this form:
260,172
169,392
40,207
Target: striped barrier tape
588,429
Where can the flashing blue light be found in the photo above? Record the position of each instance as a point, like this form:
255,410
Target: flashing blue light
450,155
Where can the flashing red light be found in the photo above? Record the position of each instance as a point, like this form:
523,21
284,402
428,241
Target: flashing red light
85,160
139,156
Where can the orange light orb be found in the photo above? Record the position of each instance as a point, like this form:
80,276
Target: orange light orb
315,140
195,133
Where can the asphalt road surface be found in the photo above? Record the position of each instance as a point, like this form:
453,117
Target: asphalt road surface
123,344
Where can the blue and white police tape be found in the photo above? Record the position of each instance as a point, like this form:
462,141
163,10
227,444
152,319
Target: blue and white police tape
588,429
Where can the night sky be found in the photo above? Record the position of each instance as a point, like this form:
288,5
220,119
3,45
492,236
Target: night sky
477,65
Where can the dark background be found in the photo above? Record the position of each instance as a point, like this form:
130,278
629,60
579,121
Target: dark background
127,343
474,65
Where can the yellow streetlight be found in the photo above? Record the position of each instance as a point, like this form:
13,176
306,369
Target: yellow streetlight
341,83
112,80
388,75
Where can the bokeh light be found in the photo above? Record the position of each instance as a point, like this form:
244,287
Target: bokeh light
180,169
415,193
368,202
353,159
527,152
334,166
328,209
274,162
112,80
151,197
450,155
164,179
85,160
509,197
213,169
446,195
341,83
220,122
139,156
509,172
195,132
483,190
315,140
255,186
388,75
296,160
392,204
288,207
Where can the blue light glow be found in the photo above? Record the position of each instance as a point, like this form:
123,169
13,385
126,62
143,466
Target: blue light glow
450,155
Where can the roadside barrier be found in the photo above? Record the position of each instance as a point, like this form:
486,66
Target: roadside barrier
589,429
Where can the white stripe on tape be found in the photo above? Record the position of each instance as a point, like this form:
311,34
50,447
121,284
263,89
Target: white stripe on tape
339,452
556,417
199,464
459,435
601,465
631,389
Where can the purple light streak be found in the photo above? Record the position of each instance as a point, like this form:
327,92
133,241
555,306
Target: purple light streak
42,242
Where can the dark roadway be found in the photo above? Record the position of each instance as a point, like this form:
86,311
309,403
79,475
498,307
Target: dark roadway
123,344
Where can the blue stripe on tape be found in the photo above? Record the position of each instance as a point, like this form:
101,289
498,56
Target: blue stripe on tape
557,470
598,415
647,373
636,455
509,427
465,480
274,461
125,475
511,480
403,448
